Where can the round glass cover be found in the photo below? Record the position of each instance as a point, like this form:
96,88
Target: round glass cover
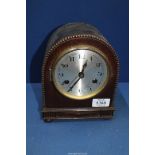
80,74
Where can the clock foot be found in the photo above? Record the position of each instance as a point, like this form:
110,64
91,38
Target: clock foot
48,120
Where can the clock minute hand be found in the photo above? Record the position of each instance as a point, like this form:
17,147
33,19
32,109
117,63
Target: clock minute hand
73,80
74,84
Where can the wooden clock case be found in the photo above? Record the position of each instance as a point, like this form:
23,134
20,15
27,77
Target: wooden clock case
57,106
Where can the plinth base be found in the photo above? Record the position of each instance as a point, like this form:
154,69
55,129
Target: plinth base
50,114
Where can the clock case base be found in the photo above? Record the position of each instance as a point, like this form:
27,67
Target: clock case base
50,114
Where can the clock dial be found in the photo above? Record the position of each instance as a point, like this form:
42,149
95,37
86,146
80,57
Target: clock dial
80,74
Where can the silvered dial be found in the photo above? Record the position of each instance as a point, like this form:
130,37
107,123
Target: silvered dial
80,74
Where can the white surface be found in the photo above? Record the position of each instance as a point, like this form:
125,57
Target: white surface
142,77
100,102
13,77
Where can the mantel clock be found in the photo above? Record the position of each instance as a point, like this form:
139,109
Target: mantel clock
79,74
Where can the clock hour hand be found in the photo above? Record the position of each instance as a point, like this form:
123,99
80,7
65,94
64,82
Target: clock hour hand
84,66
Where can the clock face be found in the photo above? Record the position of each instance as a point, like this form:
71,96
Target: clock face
80,74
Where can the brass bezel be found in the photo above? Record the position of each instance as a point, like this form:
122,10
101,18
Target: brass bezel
68,50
